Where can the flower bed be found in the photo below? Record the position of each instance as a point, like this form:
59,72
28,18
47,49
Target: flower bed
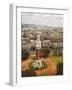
44,65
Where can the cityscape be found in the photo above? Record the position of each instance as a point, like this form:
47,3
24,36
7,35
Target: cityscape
41,48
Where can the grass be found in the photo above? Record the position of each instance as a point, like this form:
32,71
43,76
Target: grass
57,59
43,74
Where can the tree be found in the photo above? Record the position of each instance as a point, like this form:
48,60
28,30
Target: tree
45,52
25,54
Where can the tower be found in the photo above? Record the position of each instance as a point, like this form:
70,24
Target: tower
38,46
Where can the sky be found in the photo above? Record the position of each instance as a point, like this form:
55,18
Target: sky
50,20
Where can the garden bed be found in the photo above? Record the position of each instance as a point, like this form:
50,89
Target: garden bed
33,68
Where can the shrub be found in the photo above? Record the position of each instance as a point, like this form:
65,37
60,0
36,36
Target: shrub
28,73
57,52
25,54
60,69
45,52
60,53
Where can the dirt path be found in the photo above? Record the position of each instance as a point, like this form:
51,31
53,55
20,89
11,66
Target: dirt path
25,64
50,70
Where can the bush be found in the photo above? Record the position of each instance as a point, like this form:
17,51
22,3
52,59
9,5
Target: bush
25,54
57,53
28,73
60,69
60,53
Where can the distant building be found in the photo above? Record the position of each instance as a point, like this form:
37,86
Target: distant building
49,39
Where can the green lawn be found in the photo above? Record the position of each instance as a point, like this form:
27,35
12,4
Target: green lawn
57,59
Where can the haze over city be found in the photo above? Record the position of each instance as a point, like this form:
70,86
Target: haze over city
50,20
